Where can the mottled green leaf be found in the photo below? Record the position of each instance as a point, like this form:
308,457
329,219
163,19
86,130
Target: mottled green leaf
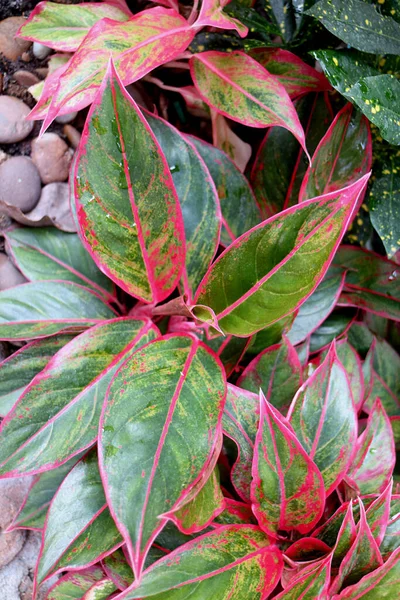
234,561
238,205
309,584
324,419
129,214
384,205
378,513
359,24
74,585
345,537
48,253
64,27
281,262
118,569
58,414
198,199
171,390
44,308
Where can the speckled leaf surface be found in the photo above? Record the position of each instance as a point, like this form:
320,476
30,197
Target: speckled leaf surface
295,75
235,561
277,371
100,590
362,557
212,15
18,370
198,200
287,489
44,308
381,583
137,46
384,205
72,516
65,27
231,84
317,307
57,416
179,388
343,155
281,262
372,282
374,458
324,419
280,163
48,253
240,423
73,585
344,68
382,374
310,585
238,205
128,211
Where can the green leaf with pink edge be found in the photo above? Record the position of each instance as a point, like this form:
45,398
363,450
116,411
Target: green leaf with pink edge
206,505
295,75
280,163
382,375
281,262
230,350
374,459
45,90
117,568
305,549
44,308
74,585
277,371
381,583
79,529
129,214
362,557
234,513
324,419
311,583
235,561
179,388
391,539
238,204
211,15
198,200
238,87
287,489
372,282
137,46
62,27
240,423
353,366
343,155
58,414
346,536
378,513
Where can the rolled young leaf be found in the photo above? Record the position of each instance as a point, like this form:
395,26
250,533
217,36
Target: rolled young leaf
281,262
62,404
198,200
64,27
231,84
43,308
173,387
137,46
47,253
287,489
234,561
324,419
129,214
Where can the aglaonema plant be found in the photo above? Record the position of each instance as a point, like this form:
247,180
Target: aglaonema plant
208,398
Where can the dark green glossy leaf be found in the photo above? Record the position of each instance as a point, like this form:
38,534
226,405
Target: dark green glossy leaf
277,371
198,200
79,528
281,164
274,260
230,350
324,419
384,205
58,414
236,561
270,335
333,327
129,214
44,308
172,389
360,337
382,375
344,68
48,253
238,205
359,24
18,370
